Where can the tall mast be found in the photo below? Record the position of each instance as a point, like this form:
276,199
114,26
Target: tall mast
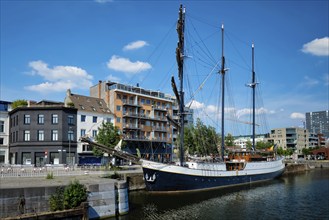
180,62
222,71
253,86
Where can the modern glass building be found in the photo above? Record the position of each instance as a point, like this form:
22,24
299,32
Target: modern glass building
318,122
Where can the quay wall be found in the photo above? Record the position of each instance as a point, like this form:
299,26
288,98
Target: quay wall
134,181
107,198
318,163
304,165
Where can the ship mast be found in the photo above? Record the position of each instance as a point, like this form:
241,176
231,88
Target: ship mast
253,86
223,71
180,62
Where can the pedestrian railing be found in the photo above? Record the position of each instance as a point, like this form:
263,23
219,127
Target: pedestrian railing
25,171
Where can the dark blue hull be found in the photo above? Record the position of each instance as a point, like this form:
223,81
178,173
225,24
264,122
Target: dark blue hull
165,181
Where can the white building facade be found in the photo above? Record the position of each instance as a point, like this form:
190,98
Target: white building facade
5,107
91,114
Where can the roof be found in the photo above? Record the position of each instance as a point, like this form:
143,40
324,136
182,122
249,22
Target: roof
87,103
321,150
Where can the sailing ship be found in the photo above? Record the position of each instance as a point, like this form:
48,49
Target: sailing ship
239,167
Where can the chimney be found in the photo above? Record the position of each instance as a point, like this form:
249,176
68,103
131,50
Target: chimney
99,88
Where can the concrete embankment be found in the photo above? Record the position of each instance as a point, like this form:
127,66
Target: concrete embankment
107,197
134,181
293,166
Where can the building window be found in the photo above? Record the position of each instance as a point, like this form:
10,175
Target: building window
87,147
41,135
118,108
82,132
54,157
54,119
54,135
94,119
26,135
41,119
142,101
2,157
118,119
2,126
27,119
70,120
118,96
1,141
94,133
70,135
83,118
109,120
148,102
26,158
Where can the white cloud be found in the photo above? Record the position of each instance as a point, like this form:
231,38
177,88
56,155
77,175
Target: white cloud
297,115
195,105
317,47
124,65
248,111
113,78
51,87
309,82
59,78
135,45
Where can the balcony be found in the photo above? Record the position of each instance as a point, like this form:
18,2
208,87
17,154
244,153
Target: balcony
128,126
159,139
291,131
160,129
135,138
126,102
160,108
130,115
158,118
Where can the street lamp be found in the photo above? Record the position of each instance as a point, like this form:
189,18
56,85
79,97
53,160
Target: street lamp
69,136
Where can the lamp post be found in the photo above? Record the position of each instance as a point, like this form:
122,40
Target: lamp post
69,136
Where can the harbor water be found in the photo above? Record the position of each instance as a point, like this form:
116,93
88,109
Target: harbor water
303,195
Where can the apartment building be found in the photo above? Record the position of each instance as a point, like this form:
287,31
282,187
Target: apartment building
5,108
91,113
43,133
290,138
318,122
140,114
243,140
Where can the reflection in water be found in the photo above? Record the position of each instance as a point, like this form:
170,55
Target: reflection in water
300,196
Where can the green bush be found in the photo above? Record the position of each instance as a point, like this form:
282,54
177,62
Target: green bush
56,200
74,194
69,197
50,176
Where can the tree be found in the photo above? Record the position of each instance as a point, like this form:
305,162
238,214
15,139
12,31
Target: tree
229,140
18,103
108,135
280,151
306,151
201,139
249,144
263,145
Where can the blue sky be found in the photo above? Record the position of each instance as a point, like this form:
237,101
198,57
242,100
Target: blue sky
50,46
